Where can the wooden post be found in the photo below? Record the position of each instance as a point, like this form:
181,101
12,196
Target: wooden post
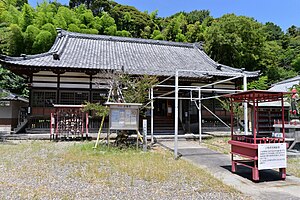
99,132
51,125
145,134
57,121
87,125
137,139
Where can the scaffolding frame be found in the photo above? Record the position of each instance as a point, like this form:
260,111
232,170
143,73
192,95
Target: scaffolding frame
198,89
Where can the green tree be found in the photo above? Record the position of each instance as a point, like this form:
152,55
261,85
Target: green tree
175,27
180,38
96,23
146,33
291,52
87,17
271,55
99,6
60,22
123,33
2,7
260,84
127,20
20,3
107,24
112,30
11,82
51,29
15,42
236,41
4,38
29,38
126,16
96,6
65,16
155,20
272,31
276,74
89,31
296,63
195,32
45,13
137,88
43,42
293,31
157,35
73,28
16,3
10,16
197,16
27,16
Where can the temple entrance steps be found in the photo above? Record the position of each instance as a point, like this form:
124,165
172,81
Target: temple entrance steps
163,125
21,126
38,131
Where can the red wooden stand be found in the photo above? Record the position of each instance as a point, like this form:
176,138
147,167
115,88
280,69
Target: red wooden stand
68,122
246,146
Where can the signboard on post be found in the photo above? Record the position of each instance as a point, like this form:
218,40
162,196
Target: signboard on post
124,116
272,155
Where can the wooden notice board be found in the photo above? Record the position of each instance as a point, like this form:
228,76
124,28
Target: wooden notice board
124,116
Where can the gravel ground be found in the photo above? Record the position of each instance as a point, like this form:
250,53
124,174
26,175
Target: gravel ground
41,170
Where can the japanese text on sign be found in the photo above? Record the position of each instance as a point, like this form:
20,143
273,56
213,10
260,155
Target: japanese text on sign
124,119
271,156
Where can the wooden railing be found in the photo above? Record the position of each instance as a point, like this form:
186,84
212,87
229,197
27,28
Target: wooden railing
259,140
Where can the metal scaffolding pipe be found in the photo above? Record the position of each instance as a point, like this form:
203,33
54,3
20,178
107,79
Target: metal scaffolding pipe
245,107
212,73
200,116
222,81
216,116
152,117
200,89
183,98
176,117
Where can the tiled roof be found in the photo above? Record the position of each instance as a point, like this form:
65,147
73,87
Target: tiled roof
7,96
134,56
284,86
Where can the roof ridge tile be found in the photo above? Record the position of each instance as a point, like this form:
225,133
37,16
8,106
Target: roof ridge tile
126,39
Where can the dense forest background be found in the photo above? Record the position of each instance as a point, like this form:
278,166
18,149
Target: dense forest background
237,41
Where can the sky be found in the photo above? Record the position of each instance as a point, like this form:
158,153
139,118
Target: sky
284,13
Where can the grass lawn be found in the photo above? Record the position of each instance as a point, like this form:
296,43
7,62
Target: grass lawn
74,170
220,144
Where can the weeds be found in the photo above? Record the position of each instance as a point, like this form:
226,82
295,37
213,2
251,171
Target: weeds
46,162
293,166
219,144
100,163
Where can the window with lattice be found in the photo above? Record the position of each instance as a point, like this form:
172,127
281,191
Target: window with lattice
43,98
99,96
73,97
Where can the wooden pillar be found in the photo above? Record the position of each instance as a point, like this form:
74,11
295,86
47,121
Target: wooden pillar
90,73
30,94
91,87
58,89
213,100
58,73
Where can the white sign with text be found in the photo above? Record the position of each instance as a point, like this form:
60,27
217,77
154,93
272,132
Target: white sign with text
271,156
